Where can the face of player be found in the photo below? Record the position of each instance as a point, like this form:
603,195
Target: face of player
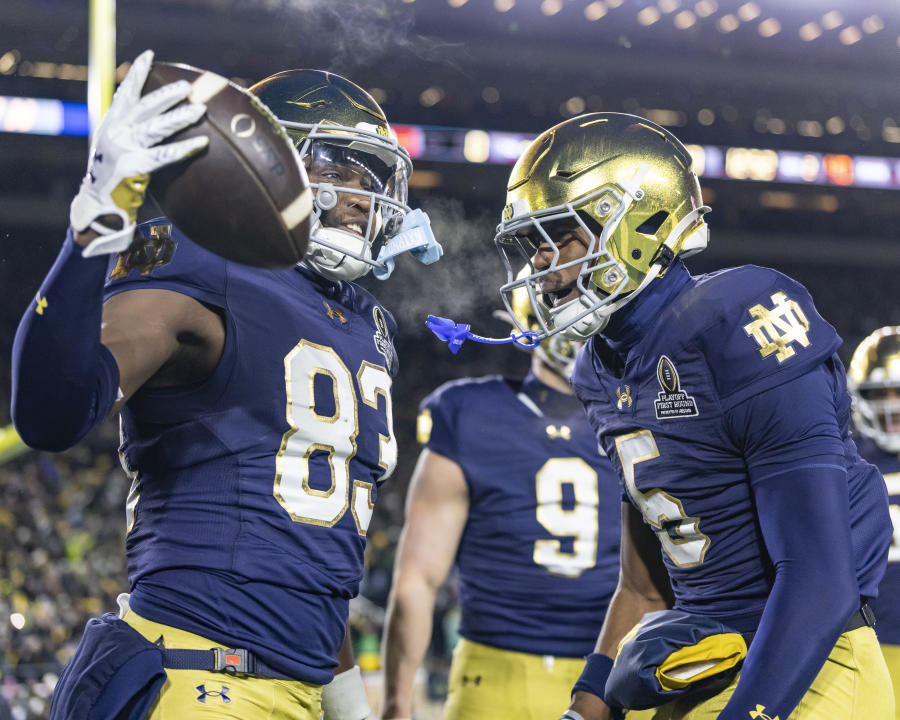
886,404
345,171
571,242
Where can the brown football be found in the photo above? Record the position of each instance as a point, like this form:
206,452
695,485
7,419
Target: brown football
246,196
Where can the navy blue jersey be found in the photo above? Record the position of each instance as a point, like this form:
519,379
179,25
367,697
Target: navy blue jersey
253,489
887,605
671,417
538,559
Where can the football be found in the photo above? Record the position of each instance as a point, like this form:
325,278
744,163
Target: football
246,196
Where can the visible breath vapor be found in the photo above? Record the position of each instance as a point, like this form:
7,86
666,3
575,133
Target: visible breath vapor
462,285
360,33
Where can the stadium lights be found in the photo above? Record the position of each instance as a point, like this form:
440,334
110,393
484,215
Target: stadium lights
685,19
705,8
460,145
832,20
596,10
810,31
850,35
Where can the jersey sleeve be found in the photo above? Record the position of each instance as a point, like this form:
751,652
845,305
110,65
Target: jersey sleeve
163,258
437,425
789,426
765,332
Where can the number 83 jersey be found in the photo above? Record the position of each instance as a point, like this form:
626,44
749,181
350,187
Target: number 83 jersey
679,423
252,490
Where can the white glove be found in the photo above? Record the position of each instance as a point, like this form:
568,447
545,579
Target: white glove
125,152
344,698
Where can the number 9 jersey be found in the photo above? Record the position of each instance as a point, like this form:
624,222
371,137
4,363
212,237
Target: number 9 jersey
538,560
252,490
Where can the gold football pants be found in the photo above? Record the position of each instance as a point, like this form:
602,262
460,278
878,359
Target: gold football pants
892,658
854,684
204,694
487,683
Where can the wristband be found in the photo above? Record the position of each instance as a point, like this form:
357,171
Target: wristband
571,715
593,678
344,698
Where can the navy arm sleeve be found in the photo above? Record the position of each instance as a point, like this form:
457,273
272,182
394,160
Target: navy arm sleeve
794,454
64,381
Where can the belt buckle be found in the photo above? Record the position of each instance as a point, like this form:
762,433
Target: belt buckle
231,660
868,614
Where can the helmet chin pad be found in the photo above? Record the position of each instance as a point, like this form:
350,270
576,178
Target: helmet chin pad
338,254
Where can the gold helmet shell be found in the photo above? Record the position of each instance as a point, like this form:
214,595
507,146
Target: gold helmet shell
873,380
333,121
628,184
315,100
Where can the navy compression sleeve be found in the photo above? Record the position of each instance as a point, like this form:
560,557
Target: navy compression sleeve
803,510
64,381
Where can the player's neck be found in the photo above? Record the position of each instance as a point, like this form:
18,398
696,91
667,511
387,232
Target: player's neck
549,377
628,325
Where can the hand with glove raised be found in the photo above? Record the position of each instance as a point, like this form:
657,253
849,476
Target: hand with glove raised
124,153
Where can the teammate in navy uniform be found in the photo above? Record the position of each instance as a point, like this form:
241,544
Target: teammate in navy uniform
874,382
724,409
511,488
255,414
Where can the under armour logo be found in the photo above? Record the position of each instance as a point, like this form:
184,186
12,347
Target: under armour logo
476,680
98,158
41,303
758,714
563,431
777,328
334,313
382,338
221,694
624,397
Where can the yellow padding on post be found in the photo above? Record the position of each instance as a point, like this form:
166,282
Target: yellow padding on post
711,656
11,444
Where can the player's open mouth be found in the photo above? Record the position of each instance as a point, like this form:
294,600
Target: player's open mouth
354,228
561,296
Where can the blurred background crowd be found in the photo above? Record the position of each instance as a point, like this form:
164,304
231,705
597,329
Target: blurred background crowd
791,111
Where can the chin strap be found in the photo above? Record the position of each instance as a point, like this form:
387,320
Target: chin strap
455,334
416,238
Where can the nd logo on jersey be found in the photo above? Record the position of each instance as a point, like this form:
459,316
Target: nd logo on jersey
777,328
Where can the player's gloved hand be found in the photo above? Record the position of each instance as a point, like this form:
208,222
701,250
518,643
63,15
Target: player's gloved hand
344,698
125,152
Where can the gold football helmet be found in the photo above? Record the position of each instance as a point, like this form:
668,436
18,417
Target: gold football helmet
874,384
357,169
620,181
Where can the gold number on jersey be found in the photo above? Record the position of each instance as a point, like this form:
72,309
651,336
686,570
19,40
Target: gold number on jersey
687,546
334,435
579,523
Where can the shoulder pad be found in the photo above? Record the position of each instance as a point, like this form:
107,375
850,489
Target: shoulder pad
162,257
758,329
364,302
439,412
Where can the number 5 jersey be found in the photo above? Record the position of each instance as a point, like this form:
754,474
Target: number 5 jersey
676,418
